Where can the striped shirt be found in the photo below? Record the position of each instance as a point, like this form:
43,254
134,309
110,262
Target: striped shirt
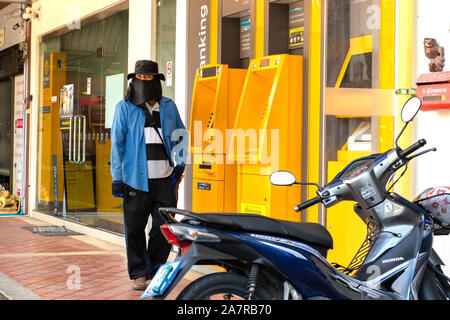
158,165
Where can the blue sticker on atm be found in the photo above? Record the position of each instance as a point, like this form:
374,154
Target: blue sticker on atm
204,186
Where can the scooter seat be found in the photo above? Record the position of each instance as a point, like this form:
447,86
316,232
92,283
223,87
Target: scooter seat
311,233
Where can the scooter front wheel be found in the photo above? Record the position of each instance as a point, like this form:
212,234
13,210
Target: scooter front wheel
221,286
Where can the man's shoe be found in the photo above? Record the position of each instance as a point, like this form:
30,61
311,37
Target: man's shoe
150,275
139,284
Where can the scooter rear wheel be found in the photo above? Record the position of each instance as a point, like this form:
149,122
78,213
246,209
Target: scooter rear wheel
218,286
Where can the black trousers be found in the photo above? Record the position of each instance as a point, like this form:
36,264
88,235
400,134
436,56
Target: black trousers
144,259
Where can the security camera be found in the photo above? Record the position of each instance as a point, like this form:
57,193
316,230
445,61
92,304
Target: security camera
27,17
30,13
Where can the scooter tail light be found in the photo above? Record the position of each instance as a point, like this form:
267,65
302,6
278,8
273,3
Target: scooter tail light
172,238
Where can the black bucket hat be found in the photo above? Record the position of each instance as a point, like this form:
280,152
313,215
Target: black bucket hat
146,67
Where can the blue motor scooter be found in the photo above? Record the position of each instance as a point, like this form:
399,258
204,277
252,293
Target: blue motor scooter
267,259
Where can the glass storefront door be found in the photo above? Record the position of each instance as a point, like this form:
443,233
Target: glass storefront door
83,76
5,133
359,101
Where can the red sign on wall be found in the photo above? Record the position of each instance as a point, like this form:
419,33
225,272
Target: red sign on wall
434,90
19,123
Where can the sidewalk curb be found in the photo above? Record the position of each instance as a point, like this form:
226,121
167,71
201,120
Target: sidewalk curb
12,290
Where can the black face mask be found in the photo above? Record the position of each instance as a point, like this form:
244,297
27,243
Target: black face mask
141,91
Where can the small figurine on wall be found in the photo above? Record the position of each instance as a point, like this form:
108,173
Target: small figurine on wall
435,53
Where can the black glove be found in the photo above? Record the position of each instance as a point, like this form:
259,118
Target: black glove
176,175
118,189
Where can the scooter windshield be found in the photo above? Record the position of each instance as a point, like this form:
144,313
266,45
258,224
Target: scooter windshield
356,169
359,166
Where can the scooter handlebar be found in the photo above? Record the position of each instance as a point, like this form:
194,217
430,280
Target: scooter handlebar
419,144
307,204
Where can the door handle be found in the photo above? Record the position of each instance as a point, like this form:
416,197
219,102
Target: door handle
77,139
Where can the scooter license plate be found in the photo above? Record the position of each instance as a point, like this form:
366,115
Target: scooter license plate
162,279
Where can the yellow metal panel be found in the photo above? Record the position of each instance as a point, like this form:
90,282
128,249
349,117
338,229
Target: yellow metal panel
259,28
230,188
387,45
79,175
405,64
50,143
254,194
295,117
344,68
204,107
213,33
387,70
236,78
358,45
105,201
314,99
348,156
346,228
253,110
207,196
293,199
209,166
385,133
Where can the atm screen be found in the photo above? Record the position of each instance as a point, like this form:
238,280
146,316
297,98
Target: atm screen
209,72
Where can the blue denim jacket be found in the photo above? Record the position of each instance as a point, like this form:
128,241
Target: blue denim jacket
128,150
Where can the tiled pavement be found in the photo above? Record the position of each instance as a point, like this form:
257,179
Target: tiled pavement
66,267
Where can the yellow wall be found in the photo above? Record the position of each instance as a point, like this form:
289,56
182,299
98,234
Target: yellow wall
387,70
214,32
405,65
259,28
314,104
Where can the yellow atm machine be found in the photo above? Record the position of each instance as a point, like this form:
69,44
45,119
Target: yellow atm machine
214,104
267,136
265,106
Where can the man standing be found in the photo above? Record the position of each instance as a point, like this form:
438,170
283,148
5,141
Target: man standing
146,134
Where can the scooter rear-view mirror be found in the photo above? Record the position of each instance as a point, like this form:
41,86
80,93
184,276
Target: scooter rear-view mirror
410,109
282,178
409,112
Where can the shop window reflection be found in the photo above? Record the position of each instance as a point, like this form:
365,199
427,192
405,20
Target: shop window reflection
358,110
74,180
